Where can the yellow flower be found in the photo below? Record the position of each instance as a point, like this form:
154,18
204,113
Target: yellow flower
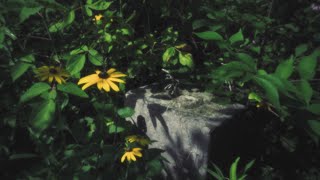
51,73
98,17
104,79
139,139
130,155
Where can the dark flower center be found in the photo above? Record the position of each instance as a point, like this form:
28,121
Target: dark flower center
103,75
53,71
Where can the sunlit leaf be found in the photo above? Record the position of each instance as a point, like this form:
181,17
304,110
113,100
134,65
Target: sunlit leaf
76,63
125,112
237,37
35,90
73,89
168,54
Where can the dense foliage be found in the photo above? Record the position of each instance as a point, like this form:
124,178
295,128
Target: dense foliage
260,53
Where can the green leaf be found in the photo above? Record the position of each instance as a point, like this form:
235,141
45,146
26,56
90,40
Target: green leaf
255,97
26,12
185,59
285,69
209,35
9,33
307,67
44,116
76,64
34,90
305,90
215,175
64,23
125,112
100,5
237,37
88,10
314,108
302,48
82,49
168,54
248,166
95,58
70,18
19,69
315,126
270,90
233,169
57,26
22,156
115,129
73,89
248,60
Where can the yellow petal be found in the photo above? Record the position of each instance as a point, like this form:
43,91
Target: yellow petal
116,80
58,79
137,153
100,84
92,82
50,78
123,157
113,85
98,72
111,71
115,75
132,157
89,78
136,149
105,86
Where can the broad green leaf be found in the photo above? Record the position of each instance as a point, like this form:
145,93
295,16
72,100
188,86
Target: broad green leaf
73,89
305,90
100,5
185,59
285,69
64,23
209,35
26,12
22,156
314,108
95,58
19,69
88,10
44,116
57,26
302,48
76,63
233,169
34,90
248,60
82,49
255,97
270,90
125,112
70,18
307,67
115,129
315,126
168,54
236,37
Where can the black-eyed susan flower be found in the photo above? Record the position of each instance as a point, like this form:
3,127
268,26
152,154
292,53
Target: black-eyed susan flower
139,139
51,73
131,155
98,17
104,80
